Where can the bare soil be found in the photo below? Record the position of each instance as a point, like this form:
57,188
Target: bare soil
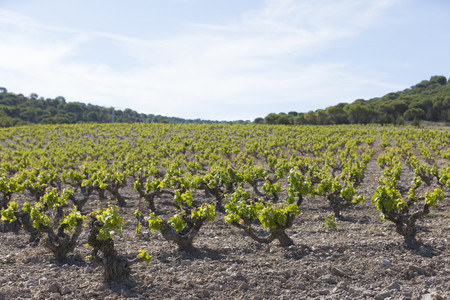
362,259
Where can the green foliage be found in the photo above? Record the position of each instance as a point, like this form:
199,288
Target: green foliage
72,218
299,185
205,210
39,218
271,188
240,206
16,110
8,214
10,185
52,199
271,215
145,256
388,198
154,222
330,221
177,222
424,101
111,219
181,198
431,198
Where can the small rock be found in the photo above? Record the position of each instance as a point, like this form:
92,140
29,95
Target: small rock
54,287
393,286
428,283
431,296
243,286
407,294
328,278
31,282
383,295
215,287
206,294
359,291
55,296
342,285
338,272
42,280
386,262
301,286
324,292
65,290
236,275
417,269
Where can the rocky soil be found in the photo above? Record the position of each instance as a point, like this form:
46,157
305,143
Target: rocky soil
362,259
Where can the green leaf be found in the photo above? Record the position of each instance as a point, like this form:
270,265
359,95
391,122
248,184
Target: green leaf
154,222
143,254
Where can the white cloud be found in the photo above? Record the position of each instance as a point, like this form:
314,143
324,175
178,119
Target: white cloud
229,71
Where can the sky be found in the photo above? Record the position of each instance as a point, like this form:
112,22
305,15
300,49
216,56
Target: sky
220,59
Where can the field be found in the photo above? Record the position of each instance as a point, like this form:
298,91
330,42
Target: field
225,212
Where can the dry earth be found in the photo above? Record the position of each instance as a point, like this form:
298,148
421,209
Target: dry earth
362,259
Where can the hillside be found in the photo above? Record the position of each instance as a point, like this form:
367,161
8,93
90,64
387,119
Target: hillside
17,109
428,100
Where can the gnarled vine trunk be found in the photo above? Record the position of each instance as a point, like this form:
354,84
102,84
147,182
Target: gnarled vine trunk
27,224
278,232
61,243
115,266
405,224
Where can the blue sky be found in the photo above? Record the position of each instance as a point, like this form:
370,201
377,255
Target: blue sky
221,59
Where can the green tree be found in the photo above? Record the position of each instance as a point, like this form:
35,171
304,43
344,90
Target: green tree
438,79
259,121
413,113
311,118
359,113
271,118
336,115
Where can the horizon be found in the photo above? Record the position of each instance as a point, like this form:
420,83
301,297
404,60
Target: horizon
224,61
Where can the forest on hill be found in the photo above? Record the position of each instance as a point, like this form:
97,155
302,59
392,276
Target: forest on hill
428,100
17,110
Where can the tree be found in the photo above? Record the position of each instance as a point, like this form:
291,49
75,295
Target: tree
438,79
271,118
322,117
92,116
29,115
299,119
259,121
311,118
284,119
336,115
413,114
399,107
359,113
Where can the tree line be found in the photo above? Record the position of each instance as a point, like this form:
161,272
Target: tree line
428,100
17,110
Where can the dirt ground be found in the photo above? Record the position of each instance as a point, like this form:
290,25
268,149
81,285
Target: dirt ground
362,259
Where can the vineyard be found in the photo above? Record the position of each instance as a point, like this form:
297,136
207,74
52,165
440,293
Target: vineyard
171,211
